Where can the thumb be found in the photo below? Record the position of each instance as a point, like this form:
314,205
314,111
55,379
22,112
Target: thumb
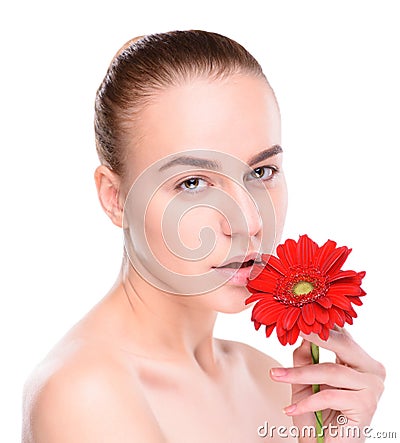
302,354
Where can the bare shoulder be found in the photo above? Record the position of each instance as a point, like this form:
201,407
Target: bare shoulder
252,356
257,363
87,395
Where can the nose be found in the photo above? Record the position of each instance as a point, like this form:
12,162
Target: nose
246,219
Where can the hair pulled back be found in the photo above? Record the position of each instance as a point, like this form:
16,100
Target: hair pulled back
148,64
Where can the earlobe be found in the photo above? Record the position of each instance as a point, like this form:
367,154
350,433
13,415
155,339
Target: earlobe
108,185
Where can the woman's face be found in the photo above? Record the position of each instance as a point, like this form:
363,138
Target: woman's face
208,194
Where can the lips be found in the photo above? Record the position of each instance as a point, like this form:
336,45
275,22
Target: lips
237,265
239,269
241,262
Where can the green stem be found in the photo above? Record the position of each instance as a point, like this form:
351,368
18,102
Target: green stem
316,388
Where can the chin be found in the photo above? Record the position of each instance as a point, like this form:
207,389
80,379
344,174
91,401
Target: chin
230,299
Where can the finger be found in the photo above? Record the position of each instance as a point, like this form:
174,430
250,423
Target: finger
331,374
327,399
348,351
302,354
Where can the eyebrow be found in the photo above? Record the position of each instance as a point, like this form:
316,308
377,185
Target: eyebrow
263,155
202,163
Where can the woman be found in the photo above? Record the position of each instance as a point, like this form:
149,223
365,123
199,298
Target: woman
188,134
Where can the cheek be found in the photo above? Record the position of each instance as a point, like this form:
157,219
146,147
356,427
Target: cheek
197,229
154,227
183,239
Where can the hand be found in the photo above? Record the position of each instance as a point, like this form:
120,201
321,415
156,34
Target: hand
350,388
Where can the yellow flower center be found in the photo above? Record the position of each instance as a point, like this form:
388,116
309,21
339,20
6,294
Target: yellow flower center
302,288
301,285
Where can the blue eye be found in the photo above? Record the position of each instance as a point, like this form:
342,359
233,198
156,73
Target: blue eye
263,172
192,184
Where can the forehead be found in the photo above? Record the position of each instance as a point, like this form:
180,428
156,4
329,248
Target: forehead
237,115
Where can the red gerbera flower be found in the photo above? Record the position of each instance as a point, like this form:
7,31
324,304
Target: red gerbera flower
304,289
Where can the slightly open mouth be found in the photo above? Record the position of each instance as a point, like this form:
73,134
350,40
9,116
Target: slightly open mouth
237,265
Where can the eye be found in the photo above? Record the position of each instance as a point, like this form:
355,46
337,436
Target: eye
263,172
192,184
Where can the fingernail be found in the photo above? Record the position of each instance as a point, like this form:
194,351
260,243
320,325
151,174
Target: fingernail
279,372
289,409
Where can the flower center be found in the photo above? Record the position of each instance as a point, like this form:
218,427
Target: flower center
302,288
301,285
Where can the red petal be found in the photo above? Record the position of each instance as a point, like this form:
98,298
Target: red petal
291,317
308,313
324,334
255,297
340,301
321,314
274,263
356,279
352,312
264,282
280,330
344,289
261,296
329,324
264,304
269,329
337,316
303,326
293,335
283,339
306,249
323,252
257,325
269,314
349,318
317,327
355,300
325,302
335,260
342,274
287,253
260,310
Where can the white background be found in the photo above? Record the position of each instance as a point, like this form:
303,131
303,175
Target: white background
335,70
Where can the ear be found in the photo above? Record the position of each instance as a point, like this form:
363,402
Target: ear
108,185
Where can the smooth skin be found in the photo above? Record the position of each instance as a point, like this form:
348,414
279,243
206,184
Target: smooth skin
143,365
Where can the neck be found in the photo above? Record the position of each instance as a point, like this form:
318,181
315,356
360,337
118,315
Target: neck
165,325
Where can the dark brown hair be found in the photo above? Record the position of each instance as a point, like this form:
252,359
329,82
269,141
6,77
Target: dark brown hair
149,64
